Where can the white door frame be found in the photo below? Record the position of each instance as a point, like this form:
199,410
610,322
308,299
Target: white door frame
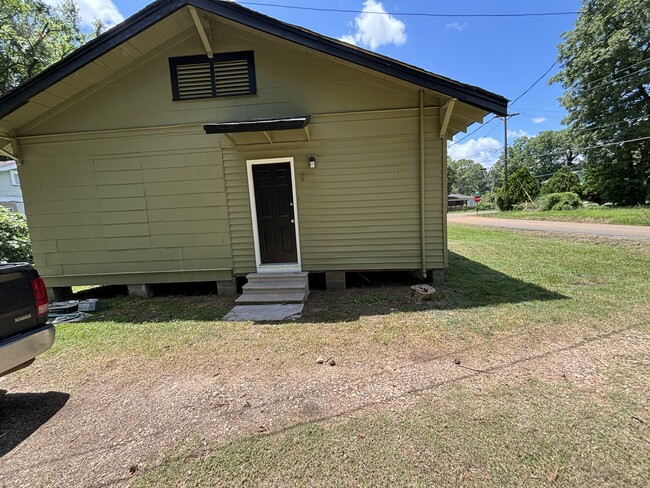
273,267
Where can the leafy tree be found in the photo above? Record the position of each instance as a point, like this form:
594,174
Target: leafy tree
562,181
522,187
606,68
33,35
542,154
15,245
469,177
452,177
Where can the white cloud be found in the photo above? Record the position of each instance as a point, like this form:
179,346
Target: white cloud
374,28
539,120
484,150
104,10
516,134
456,26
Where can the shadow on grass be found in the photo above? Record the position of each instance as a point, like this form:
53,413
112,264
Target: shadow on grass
22,414
468,284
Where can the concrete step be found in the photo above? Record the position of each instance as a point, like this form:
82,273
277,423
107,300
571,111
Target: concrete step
260,277
276,287
268,298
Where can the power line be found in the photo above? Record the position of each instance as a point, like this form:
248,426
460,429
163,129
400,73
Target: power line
473,132
597,146
408,14
533,85
512,103
645,70
619,70
554,99
613,123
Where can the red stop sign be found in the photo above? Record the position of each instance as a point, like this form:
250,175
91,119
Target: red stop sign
477,199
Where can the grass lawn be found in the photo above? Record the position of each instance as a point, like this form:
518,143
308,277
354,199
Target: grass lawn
595,215
550,388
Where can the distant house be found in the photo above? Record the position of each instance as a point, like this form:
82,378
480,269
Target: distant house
202,141
10,195
458,200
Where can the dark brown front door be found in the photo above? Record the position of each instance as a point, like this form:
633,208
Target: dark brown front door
275,218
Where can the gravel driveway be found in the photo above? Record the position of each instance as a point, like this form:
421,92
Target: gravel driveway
608,230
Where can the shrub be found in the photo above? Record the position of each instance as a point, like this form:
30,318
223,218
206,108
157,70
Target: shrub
522,187
559,201
15,245
561,182
500,200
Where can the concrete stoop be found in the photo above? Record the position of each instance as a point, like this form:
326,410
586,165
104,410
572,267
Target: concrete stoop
274,288
271,297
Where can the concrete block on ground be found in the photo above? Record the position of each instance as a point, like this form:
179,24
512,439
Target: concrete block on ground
264,313
437,276
226,288
59,293
144,291
335,280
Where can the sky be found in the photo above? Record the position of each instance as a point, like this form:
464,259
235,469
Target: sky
504,55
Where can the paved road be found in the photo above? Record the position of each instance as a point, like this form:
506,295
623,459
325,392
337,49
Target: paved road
609,230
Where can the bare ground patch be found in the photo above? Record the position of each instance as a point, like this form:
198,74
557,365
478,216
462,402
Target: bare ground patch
123,417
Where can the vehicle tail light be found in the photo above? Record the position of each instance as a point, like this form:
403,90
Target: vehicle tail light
40,295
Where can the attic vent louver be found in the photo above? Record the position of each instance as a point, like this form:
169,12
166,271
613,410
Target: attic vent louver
194,81
226,75
231,77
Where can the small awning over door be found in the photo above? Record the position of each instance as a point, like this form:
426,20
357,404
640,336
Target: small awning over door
262,131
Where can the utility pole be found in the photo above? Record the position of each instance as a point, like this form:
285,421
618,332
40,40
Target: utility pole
505,151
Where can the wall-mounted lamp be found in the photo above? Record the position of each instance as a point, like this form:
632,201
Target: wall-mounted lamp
312,162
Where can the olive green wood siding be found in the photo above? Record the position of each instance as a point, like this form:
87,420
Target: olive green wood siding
148,203
163,200
359,208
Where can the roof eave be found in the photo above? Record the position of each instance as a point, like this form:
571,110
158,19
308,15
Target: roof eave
145,18
160,9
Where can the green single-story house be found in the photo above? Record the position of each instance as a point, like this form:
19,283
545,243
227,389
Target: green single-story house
199,140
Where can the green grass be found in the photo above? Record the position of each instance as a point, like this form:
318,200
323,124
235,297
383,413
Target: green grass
505,293
596,215
536,435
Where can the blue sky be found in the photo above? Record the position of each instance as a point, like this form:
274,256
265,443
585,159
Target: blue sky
503,55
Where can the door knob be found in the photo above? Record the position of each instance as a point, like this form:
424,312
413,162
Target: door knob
293,221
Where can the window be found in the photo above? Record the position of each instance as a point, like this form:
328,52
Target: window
9,206
15,180
225,75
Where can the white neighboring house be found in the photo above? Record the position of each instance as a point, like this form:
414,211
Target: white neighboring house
10,195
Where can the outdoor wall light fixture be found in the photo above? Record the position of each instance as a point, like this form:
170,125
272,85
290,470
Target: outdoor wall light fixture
312,162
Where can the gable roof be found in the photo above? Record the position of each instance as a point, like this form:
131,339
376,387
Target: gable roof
160,9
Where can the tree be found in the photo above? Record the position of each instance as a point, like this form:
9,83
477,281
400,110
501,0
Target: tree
33,35
469,177
605,71
451,177
15,245
522,187
562,181
542,154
